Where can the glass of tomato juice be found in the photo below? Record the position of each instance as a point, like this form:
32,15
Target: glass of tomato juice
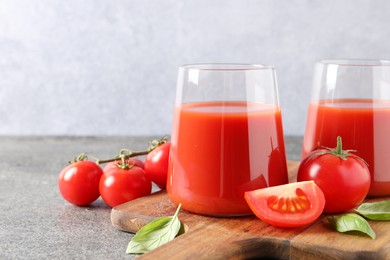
227,137
351,99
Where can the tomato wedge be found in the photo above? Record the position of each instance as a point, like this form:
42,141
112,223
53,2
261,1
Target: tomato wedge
290,205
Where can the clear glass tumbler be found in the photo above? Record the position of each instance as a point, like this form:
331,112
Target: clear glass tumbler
227,137
351,99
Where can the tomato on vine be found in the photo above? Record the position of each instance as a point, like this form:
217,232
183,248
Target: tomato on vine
123,178
156,165
79,181
342,176
122,184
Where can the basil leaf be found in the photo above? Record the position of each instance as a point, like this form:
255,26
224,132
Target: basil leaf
375,210
155,234
351,222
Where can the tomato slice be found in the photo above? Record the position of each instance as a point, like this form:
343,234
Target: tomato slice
290,205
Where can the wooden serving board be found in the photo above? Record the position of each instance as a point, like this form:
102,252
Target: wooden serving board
248,237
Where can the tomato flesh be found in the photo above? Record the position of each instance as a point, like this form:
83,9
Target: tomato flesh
298,204
290,205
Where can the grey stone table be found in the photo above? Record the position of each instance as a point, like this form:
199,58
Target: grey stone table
36,223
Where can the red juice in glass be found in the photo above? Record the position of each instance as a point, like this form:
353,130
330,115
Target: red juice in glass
363,124
222,149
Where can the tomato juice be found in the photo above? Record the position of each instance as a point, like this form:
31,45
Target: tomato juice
364,126
222,149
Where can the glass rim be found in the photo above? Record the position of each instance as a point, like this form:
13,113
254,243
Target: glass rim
226,66
356,62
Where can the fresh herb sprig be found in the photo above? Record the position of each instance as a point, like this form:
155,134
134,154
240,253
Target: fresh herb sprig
154,234
347,222
376,210
351,222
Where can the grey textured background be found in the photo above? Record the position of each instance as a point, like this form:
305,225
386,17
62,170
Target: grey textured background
109,67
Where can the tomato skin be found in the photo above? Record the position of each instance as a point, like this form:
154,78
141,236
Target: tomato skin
79,182
118,186
156,165
345,183
131,161
278,205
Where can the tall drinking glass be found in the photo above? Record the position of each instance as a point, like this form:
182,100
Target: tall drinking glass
351,99
227,137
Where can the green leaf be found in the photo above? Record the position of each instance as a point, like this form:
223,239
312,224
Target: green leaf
351,222
155,234
375,210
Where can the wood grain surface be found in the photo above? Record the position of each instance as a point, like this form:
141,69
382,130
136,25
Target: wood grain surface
248,237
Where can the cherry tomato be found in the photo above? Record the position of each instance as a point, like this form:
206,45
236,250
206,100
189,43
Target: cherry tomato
156,165
343,177
289,205
131,161
79,182
118,185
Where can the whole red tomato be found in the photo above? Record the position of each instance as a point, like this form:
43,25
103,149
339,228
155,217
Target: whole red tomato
79,182
342,176
156,165
118,185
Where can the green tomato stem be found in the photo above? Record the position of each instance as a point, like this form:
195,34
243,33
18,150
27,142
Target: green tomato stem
338,151
126,154
122,157
339,147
